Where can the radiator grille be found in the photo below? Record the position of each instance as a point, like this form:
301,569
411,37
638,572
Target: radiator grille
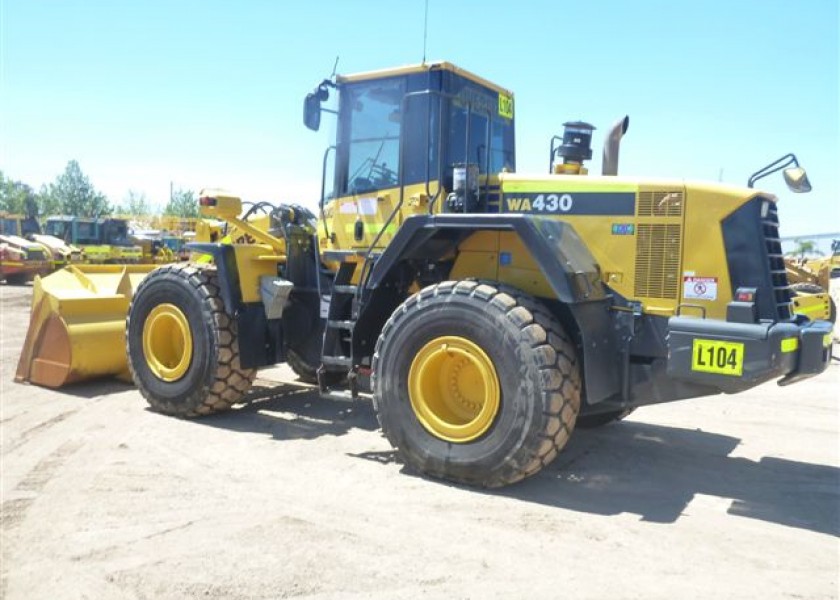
657,260
781,289
660,204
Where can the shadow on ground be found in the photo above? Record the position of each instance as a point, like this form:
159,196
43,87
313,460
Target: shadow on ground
289,411
94,389
653,471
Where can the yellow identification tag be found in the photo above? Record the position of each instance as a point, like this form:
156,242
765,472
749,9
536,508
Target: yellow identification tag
505,106
722,358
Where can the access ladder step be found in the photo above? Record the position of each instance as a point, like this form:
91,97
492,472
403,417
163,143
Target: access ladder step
340,361
337,324
345,289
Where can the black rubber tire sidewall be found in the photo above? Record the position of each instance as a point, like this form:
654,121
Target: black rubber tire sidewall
477,461
186,394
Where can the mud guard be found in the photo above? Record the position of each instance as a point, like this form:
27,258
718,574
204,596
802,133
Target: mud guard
565,262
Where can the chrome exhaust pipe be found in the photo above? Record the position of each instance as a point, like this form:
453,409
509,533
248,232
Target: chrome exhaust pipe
609,164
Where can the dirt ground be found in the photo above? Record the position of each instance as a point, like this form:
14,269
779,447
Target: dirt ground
295,496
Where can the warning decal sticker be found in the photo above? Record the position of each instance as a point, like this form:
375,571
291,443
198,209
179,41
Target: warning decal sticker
700,288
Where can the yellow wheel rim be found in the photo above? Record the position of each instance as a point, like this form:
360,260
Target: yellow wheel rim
167,342
454,389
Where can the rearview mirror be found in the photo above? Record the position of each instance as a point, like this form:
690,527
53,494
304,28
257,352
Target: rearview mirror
312,111
797,180
795,176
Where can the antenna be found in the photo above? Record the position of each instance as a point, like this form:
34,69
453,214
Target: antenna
335,66
425,30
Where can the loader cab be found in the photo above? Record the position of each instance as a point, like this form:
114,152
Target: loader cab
401,134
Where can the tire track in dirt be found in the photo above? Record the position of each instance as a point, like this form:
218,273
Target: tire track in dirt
39,428
13,511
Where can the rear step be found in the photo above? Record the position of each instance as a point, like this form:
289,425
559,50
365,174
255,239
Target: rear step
337,361
345,289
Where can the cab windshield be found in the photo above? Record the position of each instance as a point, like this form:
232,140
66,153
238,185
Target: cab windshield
441,118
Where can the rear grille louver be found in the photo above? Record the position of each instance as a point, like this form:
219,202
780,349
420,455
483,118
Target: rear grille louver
657,260
775,257
660,204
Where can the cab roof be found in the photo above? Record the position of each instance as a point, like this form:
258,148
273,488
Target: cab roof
421,68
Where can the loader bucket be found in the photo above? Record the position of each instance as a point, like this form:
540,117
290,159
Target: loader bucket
77,325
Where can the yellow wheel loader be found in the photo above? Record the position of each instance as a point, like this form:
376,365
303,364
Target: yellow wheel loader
810,281
491,311
26,226
103,240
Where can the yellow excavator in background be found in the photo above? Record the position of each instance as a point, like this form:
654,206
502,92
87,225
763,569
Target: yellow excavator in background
490,311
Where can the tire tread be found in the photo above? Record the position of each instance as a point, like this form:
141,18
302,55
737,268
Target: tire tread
230,381
554,356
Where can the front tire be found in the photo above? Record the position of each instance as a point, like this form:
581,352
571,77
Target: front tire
183,351
474,384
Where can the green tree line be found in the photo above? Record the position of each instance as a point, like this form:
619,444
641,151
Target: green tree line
72,193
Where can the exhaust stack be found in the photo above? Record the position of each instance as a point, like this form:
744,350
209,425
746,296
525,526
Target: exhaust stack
609,164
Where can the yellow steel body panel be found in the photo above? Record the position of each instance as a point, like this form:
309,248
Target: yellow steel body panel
253,261
615,254
689,246
813,306
478,257
372,210
704,253
226,205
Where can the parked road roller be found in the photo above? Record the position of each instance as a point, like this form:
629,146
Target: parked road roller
490,311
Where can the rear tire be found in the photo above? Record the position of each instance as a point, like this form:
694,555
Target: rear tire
500,333
206,379
308,373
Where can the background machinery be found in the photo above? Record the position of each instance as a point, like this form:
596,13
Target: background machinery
103,240
22,260
491,311
60,253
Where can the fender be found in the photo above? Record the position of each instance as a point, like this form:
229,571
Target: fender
260,340
563,258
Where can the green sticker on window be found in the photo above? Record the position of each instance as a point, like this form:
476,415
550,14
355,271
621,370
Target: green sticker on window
506,105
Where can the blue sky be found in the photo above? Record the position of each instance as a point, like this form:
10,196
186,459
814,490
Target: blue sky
209,93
